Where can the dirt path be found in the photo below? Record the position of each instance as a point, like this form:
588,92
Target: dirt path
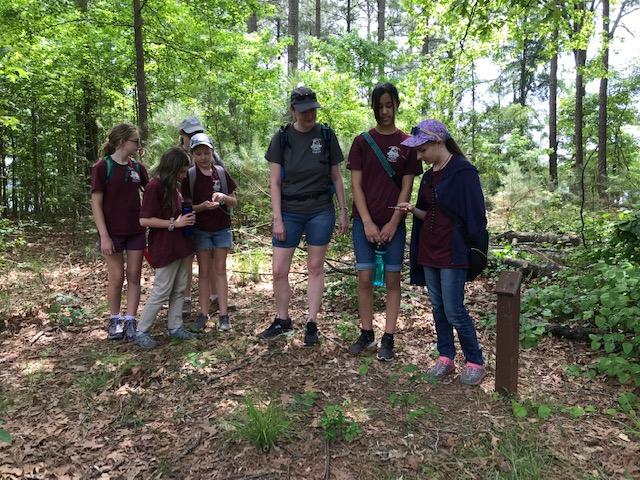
80,407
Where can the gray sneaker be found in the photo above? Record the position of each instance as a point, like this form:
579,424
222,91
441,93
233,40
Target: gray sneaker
181,333
441,369
144,340
130,329
186,308
472,375
200,322
116,328
224,324
365,343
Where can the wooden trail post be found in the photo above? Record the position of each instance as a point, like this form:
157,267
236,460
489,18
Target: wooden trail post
508,332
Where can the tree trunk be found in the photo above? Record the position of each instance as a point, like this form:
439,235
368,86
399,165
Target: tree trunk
553,115
522,84
473,110
4,201
252,23
140,78
318,22
292,49
349,19
580,57
602,105
14,177
381,19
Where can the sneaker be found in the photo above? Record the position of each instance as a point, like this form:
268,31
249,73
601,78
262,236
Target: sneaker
224,324
385,354
443,367
310,334
186,308
181,333
130,326
200,322
144,340
278,327
472,374
365,343
116,328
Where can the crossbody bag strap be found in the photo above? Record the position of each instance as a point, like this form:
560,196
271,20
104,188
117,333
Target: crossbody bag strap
376,149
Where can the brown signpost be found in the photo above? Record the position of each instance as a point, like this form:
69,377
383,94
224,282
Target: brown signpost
508,332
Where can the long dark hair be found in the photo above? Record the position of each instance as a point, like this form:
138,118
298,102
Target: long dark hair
377,93
171,162
453,147
118,134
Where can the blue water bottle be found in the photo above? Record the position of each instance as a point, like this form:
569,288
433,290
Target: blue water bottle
187,231
378,276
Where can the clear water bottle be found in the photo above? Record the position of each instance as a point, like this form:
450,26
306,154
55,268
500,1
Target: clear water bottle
187,231
378,275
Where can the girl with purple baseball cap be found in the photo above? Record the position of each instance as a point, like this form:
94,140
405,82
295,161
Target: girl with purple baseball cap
450,210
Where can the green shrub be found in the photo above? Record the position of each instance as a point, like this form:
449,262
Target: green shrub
336,425
262,426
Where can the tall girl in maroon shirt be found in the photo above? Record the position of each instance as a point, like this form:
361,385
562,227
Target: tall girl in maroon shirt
116,181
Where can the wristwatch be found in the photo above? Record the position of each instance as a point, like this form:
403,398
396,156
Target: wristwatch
172,224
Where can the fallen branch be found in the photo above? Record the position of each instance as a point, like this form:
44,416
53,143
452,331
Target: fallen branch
579,334
190,448
531,269
532,237
327,460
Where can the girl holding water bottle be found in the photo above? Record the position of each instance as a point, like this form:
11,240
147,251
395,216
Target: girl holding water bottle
169,250
382,173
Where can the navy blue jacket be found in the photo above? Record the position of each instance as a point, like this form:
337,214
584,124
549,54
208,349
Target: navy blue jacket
460,195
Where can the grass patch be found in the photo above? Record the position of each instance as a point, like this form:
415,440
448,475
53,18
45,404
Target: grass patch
262,425
107,370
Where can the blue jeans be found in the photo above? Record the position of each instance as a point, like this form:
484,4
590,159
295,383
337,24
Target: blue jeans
446,291
317,227
206,240
365,251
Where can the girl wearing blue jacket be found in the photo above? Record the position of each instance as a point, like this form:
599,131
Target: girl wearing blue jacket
450,207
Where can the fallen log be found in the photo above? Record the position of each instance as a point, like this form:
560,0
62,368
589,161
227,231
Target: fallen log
579,334
531,269
533,237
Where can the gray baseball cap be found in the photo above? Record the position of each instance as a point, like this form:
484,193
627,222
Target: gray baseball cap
200,139
191,125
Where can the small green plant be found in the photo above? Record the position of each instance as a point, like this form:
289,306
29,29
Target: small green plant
425,411
250,264
198,360
4,435
402,399
347,329
263,426
336,425
304,401
365,363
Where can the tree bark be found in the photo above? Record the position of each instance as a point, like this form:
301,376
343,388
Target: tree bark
349,19
553,114
381,19
522,83
252,23
602,105
294,33
580,57
140,77
318,22
533,237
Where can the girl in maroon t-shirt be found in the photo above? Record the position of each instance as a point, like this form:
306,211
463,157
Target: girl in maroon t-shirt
169,250
212,232
116,181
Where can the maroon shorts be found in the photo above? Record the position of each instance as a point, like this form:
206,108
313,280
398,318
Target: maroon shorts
127,242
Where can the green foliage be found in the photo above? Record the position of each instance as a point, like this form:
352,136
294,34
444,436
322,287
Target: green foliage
402,399
304,401
4,435
347,328
335,425
365,363
263,426
11,238
419,413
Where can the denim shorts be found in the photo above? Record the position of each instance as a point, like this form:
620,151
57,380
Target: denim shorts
121,243
317,228
207,240
365,251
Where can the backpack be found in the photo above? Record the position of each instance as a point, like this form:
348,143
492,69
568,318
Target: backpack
325,131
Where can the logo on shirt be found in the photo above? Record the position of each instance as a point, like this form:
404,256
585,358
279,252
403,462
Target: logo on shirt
393,154
316,146
133,175
216,185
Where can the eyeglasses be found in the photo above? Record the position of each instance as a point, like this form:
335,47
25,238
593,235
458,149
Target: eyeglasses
415,131
135,140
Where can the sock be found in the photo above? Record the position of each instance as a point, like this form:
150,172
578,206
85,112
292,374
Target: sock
213,298
369,335
129,317
312,326
187,299
115,315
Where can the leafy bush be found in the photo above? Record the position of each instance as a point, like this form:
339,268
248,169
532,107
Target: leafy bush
262,426
336,425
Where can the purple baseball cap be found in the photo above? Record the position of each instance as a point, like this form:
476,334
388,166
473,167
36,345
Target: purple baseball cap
427,131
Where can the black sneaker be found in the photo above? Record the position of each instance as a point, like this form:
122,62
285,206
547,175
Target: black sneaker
366,343
311,334
278,327
385,354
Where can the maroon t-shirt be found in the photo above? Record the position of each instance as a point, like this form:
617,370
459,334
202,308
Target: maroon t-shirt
205,185
380,191
121,195
165,247
437,229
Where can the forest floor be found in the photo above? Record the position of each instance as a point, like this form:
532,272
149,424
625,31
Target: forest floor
80,407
